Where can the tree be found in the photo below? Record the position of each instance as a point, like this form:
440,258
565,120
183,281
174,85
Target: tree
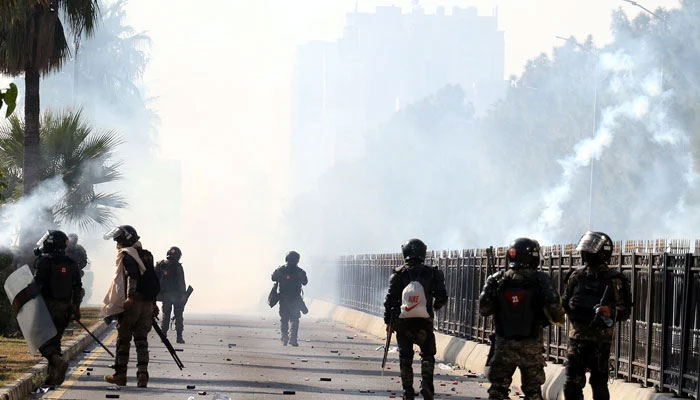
33,42
75,152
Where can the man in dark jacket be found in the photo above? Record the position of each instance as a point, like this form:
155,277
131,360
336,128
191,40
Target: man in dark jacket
290,279
58,278
415,291
142,288
172,290
522,301
595,297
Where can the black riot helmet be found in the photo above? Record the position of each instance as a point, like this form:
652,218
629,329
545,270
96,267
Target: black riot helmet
124,235
292,258
53,242
414,250
174,254
596,248
523,253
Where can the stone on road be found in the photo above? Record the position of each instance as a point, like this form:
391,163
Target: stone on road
242,358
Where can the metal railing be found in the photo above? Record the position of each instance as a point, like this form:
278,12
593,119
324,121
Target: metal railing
658,346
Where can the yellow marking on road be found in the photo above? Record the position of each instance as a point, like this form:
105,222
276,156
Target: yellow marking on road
81,368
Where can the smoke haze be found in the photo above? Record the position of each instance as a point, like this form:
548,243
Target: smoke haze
208,154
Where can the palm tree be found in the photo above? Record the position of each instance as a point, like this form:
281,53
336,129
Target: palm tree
33,42
75,152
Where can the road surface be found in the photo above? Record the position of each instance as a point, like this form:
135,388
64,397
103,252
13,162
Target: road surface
242,358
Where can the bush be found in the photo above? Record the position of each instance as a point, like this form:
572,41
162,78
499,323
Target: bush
8,319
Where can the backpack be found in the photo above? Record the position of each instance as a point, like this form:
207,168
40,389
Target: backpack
148,284
519,309
414,303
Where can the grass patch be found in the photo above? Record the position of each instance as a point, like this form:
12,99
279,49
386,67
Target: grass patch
15,359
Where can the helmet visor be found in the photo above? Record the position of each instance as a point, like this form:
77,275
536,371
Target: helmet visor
40,243
592,242
117,231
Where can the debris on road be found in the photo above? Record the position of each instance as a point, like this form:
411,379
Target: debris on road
289,392
191,386
202,393
325,379
112,396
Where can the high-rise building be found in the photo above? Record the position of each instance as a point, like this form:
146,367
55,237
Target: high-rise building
383,61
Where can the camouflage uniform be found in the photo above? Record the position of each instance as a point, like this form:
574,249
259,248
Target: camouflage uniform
417,331
58,277
525,353
172,291
589,347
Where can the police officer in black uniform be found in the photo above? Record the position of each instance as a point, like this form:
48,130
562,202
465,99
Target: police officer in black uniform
415,330
596,297
172,290
290,279
58,278
522,301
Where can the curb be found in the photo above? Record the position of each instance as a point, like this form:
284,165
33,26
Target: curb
24,385
472,355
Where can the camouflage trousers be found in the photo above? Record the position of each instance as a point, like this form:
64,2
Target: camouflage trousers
133,323
527,355
169,307
585,355
61,315
418,331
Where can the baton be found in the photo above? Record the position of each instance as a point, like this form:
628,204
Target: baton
94,337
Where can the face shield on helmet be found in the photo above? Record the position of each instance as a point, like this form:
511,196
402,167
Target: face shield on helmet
595,247
174,254
113,234
292,258
52,242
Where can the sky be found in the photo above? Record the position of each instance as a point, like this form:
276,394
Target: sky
220,80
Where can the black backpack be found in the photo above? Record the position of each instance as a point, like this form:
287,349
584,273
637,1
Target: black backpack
148,284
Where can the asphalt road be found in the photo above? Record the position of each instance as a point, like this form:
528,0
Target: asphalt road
242,358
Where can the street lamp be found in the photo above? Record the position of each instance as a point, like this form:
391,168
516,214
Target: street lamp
634,3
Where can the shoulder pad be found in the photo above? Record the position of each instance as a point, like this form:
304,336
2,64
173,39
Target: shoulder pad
498,275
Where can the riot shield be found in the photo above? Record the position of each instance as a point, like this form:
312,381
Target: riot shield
32,314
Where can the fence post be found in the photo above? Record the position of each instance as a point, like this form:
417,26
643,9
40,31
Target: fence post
664,322
650,318
685,348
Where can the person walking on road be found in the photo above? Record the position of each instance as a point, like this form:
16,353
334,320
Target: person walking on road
58,278
290,278
133,297
415,292
522,301
172,290
596,297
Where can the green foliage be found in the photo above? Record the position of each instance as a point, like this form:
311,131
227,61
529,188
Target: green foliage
9,97
8,320
33,33
79,154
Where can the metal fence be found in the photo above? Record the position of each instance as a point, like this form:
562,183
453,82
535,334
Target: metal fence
658,346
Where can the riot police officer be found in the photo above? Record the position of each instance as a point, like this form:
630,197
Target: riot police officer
415,291
595,298
172,290
58,278
135,266
290,278
522,301
78,254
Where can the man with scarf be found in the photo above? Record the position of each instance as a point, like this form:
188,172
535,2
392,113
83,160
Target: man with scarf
290,279
132,298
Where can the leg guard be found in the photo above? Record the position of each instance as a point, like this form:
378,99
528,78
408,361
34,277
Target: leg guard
294,332
141,343
284,330
142,376
406,366
427,369
165,323
122,358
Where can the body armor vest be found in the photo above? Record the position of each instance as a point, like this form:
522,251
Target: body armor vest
517,316
587,294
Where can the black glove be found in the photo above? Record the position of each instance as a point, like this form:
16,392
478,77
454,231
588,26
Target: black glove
75,312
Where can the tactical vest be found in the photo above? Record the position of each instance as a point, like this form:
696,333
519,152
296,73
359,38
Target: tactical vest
147,284
61,270
588,293
517,316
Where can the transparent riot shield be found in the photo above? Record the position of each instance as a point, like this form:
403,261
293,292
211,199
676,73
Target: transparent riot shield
32,314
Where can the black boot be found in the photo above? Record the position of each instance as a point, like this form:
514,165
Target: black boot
427,369
406,366
180,339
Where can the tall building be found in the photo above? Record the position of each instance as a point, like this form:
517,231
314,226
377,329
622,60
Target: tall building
383,61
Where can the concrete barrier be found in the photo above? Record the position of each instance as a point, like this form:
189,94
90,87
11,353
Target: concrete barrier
472,356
